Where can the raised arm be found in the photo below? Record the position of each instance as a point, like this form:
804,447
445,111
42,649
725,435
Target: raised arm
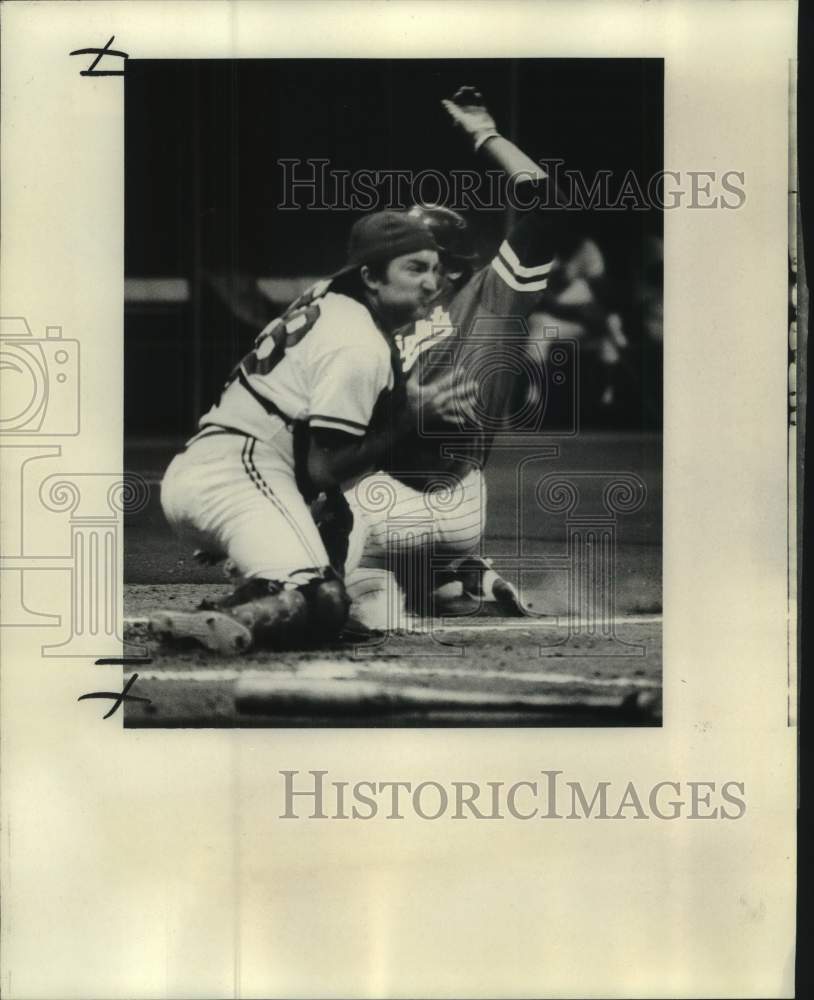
468,111
519,272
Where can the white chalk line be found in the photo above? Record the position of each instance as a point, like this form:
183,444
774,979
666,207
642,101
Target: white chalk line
280,692
440,626
322,670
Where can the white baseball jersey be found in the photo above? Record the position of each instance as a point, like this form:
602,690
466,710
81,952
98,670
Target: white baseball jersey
238,490
324,362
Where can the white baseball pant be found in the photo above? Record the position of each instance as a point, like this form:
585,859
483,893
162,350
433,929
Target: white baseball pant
402,536
235,496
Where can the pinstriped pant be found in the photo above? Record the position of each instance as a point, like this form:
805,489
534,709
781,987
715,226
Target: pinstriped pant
394,522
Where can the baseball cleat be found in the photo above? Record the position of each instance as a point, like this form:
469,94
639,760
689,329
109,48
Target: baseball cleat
481,582
213,630
508,600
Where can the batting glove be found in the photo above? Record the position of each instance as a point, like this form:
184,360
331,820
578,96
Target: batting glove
469,112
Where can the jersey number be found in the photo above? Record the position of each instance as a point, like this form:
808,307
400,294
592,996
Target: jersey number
275,340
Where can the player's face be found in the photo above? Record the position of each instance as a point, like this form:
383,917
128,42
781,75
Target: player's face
410,285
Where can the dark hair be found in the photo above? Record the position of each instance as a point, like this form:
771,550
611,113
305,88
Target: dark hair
352,284
378,269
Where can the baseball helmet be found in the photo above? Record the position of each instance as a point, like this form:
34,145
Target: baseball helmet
449,230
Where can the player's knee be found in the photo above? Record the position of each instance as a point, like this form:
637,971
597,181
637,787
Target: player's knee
329,607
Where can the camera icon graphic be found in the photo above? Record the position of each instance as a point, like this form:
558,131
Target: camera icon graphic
40,379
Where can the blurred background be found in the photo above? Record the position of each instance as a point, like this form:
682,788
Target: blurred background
210,257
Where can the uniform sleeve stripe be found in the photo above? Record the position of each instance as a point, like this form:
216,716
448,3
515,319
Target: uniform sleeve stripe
513,262
512,282
350,426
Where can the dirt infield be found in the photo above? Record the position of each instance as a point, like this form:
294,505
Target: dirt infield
475,671
478,671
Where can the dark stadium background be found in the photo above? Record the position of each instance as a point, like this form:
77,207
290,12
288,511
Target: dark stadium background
210,259
202,183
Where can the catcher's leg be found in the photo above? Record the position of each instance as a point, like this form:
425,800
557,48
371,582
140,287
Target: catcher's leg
241,498
260,614
214,630
282,615
328,606
273,614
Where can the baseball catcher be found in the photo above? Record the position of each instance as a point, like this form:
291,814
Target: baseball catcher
293,423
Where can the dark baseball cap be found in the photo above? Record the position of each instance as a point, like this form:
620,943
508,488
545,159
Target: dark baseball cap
381,236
